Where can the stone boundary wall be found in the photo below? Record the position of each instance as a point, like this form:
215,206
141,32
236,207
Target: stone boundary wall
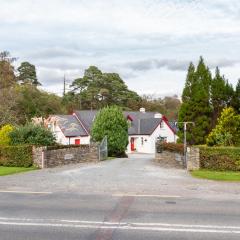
46,158
169,159
193,158
173,159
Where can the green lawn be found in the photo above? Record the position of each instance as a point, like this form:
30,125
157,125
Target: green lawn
217,175
12,170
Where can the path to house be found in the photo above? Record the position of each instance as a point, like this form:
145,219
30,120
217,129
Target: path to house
132,199
137,174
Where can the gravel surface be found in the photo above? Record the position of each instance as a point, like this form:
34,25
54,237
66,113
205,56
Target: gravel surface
138,174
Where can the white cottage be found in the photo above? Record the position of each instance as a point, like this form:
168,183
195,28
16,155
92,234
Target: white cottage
144,129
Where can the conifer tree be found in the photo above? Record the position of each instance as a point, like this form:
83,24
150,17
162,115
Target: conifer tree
219,96
27,74
236,99
196,103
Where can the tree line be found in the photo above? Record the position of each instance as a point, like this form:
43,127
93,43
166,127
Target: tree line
21,99
203,99
96,90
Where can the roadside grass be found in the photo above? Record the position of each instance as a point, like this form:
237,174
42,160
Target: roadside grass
110,158
217,175
13,170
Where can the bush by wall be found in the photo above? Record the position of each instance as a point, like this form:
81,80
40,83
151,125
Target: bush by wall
31,135
172,147
4,135
220,158
16,156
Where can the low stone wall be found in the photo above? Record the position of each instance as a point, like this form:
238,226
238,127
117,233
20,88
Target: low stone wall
48,158
169,159
172,159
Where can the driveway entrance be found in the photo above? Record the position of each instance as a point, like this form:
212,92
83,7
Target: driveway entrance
137,175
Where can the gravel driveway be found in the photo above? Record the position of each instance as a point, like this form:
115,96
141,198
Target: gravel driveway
138,174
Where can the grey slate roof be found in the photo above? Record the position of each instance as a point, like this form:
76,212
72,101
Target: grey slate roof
142,124
86,117
70,126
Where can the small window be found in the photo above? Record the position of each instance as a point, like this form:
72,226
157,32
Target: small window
77,141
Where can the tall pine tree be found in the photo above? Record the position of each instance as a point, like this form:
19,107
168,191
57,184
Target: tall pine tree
236,100
196,103
27,74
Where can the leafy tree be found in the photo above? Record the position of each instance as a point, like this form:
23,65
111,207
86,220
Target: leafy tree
111,122
7,76
4,134
96,90
37,103
196,103
27,74
8,94
32,135
227,130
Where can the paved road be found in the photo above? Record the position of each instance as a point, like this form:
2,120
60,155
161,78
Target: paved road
94,217
119,199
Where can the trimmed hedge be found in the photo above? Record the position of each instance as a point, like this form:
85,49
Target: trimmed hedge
16,156
220,158
56,147
171,147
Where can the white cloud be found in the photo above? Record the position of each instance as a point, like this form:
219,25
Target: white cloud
158,37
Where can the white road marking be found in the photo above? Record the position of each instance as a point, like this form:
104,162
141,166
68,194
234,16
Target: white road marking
166,227
24,192
145,195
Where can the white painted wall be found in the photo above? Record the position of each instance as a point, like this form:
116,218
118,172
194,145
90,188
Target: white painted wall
61,139
146,143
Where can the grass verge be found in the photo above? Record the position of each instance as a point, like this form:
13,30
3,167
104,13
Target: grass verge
217,175
13,170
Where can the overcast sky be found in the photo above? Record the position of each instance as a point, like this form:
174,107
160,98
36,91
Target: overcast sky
148,42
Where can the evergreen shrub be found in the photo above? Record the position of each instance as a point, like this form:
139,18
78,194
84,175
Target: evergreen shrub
16,156
220,158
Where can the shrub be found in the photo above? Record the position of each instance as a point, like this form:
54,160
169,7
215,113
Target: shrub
220,158
227,130
111,122
4,135
16,156
32,135
172,147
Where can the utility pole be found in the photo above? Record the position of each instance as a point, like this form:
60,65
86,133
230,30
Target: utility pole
64,85
185,139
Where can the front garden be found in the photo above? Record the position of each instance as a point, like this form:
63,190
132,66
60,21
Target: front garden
16,147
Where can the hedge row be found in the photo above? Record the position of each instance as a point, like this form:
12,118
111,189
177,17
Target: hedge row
220,158
16,156
56,147
171,147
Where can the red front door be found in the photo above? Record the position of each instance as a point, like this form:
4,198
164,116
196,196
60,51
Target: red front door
77,141
132,144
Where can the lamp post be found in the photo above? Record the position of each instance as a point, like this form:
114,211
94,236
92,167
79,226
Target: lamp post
185,139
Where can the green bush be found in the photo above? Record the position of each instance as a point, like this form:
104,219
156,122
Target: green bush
172,147
111,122
227,130
32,135
220,158
16,156
4,135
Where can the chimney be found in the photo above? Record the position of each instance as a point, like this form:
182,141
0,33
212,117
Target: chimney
157,115
142,110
